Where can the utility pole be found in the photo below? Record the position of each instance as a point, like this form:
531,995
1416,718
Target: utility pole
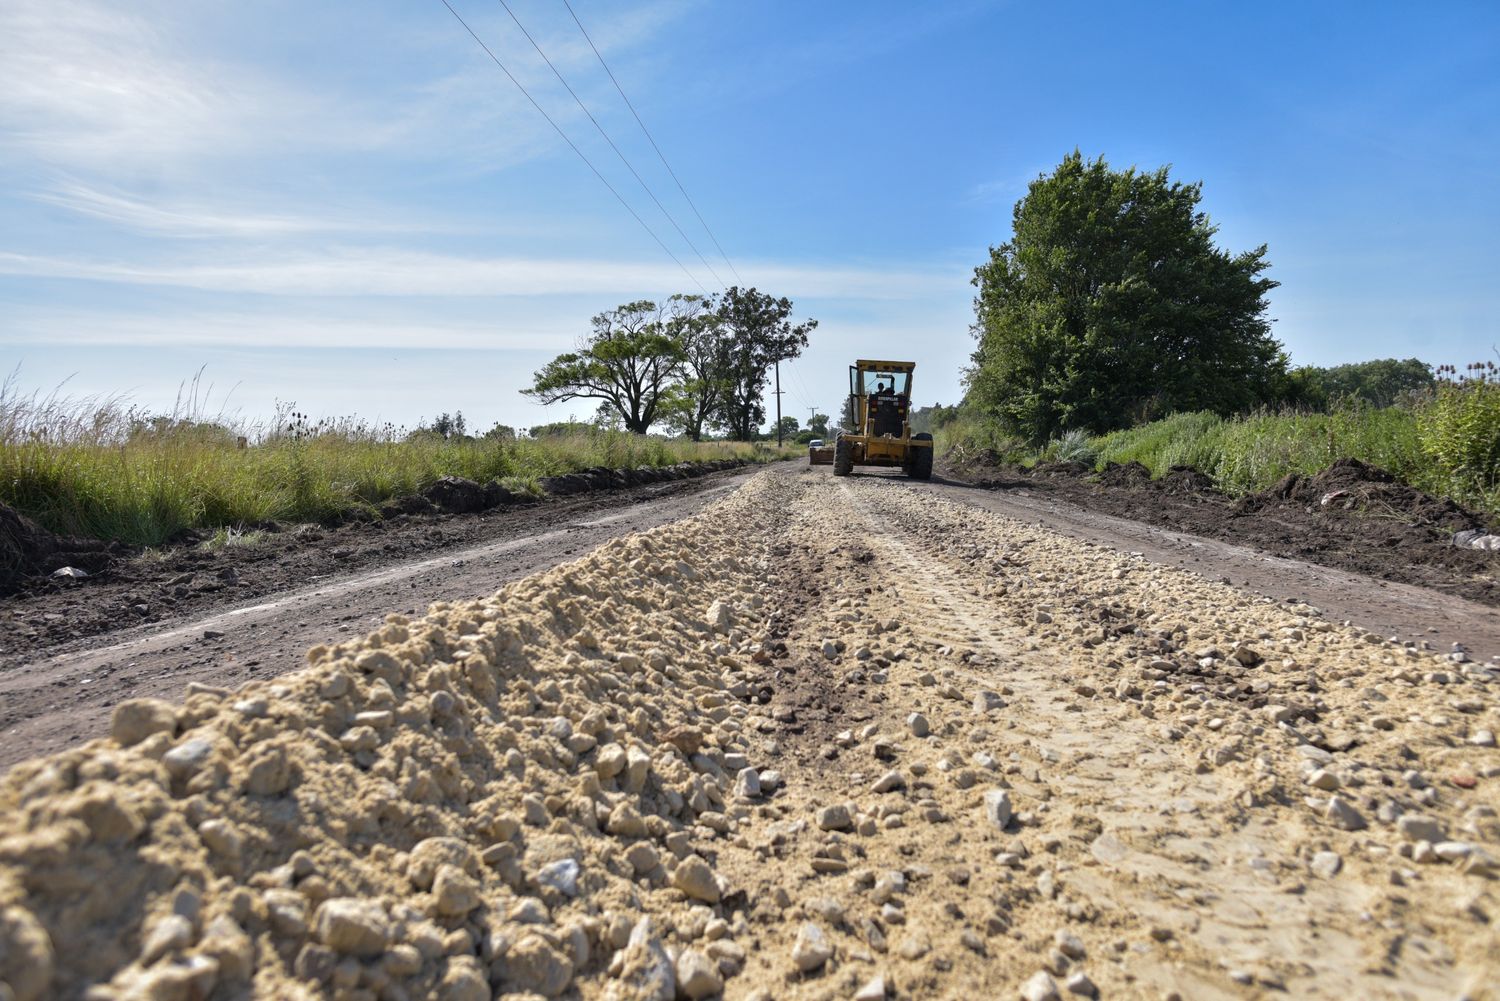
778,403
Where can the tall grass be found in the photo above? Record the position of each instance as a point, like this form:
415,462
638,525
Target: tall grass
1447,444
95,467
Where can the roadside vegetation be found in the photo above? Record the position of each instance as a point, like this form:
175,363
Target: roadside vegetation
1112,328
98,468
1444,440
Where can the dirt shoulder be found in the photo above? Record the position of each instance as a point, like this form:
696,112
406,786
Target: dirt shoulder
1350,517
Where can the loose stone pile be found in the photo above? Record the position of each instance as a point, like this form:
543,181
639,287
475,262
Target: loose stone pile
494,795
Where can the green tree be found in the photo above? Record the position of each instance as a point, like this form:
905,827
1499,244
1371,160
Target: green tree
758,334
789,426
1382,382
818,425
1111,304
629,361
702,336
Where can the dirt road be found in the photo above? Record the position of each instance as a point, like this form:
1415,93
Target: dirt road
825,739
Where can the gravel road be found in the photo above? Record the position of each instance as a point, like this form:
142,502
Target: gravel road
859,738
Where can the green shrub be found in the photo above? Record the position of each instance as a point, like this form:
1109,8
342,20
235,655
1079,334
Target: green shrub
1459,432
1073,446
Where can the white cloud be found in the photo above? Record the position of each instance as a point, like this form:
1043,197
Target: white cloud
525,330
108,88
205,219
102,86
401,272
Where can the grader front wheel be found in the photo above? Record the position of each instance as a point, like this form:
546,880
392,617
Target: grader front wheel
843,457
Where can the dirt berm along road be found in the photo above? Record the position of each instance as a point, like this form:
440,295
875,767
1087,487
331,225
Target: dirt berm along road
822,738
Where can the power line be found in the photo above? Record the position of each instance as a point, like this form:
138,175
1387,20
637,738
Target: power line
797,377
654,146
628,165
558,129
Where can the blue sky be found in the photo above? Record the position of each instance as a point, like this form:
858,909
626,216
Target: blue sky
347,205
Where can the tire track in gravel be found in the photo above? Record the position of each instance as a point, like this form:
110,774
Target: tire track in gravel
1111,783
1162,844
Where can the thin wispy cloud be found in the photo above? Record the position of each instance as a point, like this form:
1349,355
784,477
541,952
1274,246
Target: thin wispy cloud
523,331
403,272
207,219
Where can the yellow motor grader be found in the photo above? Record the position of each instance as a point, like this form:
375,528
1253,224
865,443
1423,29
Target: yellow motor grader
877,422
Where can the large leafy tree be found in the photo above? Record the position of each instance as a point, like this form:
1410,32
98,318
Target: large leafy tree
758,332
1111,303
701,392
628,361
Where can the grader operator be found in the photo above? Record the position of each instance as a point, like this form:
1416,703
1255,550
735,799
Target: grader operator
877,422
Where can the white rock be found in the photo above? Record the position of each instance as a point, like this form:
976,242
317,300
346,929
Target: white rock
637,764
918,725
1326,865
561,876
811,949
172,933
610,761
353,925
694,877
997,808
646,972
1415,827
455,892
697,976
1322,778
747,784
187,757
835,818
1079,983
1452,851
1041,987
873,990
1341,814
719,617
1068,944
889,782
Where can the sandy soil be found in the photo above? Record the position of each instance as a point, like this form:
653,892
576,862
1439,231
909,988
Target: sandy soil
826,739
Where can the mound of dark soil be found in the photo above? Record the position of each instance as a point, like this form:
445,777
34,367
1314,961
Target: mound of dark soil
27,549
1060,469
1351,515
1351,486
1129,474
1187,481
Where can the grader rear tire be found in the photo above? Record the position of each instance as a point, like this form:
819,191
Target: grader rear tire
920,465
843,457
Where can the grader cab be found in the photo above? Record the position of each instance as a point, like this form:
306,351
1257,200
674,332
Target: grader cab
877,422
